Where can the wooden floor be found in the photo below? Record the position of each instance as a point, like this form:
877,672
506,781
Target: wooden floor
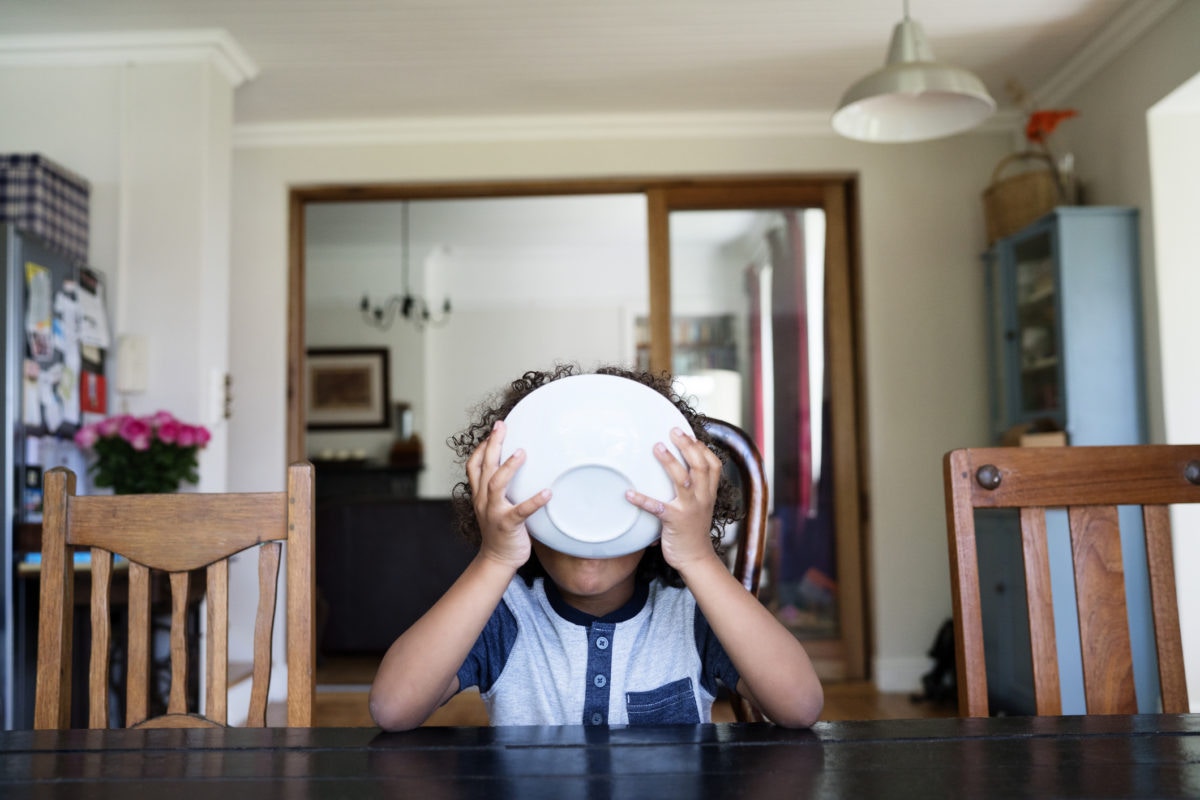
342,685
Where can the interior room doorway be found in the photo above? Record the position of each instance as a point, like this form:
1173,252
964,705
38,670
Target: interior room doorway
776,224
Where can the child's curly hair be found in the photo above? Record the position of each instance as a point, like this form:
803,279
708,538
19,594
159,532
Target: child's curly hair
726,509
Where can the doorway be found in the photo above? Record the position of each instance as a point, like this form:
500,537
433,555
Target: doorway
840,647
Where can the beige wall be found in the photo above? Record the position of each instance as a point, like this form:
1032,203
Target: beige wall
922,293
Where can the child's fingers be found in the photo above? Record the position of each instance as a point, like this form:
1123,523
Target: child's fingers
676,470
702,470
497,482
491,453
656,507
525,509
475,468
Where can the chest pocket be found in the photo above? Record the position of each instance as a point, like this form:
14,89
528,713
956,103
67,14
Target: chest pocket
674,702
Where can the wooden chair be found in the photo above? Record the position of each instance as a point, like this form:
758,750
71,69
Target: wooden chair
175,533
747,566
1090,482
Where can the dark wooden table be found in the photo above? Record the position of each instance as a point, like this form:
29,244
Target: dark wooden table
1142,756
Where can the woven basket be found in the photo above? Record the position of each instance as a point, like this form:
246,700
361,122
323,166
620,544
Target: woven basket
1009,204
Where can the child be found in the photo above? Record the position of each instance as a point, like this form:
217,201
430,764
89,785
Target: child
554,639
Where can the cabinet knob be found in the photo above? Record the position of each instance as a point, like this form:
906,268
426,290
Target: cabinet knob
1191,471
988,476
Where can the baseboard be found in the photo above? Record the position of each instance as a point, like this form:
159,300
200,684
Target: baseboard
901,674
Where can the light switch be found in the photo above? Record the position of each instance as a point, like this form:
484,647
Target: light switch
132,364
220,387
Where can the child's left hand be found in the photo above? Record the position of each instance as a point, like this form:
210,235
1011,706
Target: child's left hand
686,520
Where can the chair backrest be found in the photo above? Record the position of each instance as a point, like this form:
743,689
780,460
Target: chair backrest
1090,482
174,534
747,566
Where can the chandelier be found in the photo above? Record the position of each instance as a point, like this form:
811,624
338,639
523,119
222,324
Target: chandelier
409,306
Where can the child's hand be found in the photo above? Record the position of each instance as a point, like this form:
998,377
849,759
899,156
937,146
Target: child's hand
687,519
501,523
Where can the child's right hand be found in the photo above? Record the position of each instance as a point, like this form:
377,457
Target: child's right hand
501,523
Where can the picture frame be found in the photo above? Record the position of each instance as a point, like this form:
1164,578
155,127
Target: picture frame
346,387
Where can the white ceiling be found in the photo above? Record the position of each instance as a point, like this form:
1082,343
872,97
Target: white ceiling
323,60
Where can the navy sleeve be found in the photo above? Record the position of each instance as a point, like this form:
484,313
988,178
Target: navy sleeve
717,667
486,660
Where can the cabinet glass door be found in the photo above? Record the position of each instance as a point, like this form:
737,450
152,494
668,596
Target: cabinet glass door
998,340
1037,331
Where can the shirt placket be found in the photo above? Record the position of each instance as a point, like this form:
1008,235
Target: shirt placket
599,673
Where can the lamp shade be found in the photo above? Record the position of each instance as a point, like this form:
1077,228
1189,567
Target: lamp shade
912,98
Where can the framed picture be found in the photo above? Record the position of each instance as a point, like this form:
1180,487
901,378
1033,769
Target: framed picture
347,387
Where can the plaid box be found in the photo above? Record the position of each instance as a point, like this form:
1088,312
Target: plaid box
43,198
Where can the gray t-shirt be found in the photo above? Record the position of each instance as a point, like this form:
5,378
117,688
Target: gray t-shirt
540,661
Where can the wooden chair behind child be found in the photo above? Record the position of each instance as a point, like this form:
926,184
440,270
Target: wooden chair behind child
174,533
747,566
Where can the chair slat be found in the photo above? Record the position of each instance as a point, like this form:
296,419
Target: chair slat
264,624
964,583
102,561
177,703
132,526
217,653
1084,476
52,704
1047,690
1107,654
1156,520
301,606
137,668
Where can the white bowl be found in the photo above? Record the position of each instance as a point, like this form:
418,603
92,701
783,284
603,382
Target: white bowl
589,438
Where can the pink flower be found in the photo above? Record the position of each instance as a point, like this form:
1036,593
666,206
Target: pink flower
162,418
169,430
136,431
203,437
86,436
112,425
186,436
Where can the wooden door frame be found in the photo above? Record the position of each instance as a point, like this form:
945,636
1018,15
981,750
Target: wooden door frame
835,193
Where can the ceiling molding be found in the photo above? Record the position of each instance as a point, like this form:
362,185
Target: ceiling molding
212,45
590,127
1126,26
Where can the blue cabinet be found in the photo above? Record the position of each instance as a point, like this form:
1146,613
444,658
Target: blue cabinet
1065,350
1065,326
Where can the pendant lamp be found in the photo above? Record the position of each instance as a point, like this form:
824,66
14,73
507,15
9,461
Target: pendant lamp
913,98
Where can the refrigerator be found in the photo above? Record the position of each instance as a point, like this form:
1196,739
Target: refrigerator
54,338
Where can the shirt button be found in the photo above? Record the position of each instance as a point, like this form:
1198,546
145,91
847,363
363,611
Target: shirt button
602,643
599,680
597,718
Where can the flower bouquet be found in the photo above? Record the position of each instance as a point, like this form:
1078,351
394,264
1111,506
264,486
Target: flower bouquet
143,455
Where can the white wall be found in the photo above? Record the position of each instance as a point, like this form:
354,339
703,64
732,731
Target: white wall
922,294
1111,141
154,141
